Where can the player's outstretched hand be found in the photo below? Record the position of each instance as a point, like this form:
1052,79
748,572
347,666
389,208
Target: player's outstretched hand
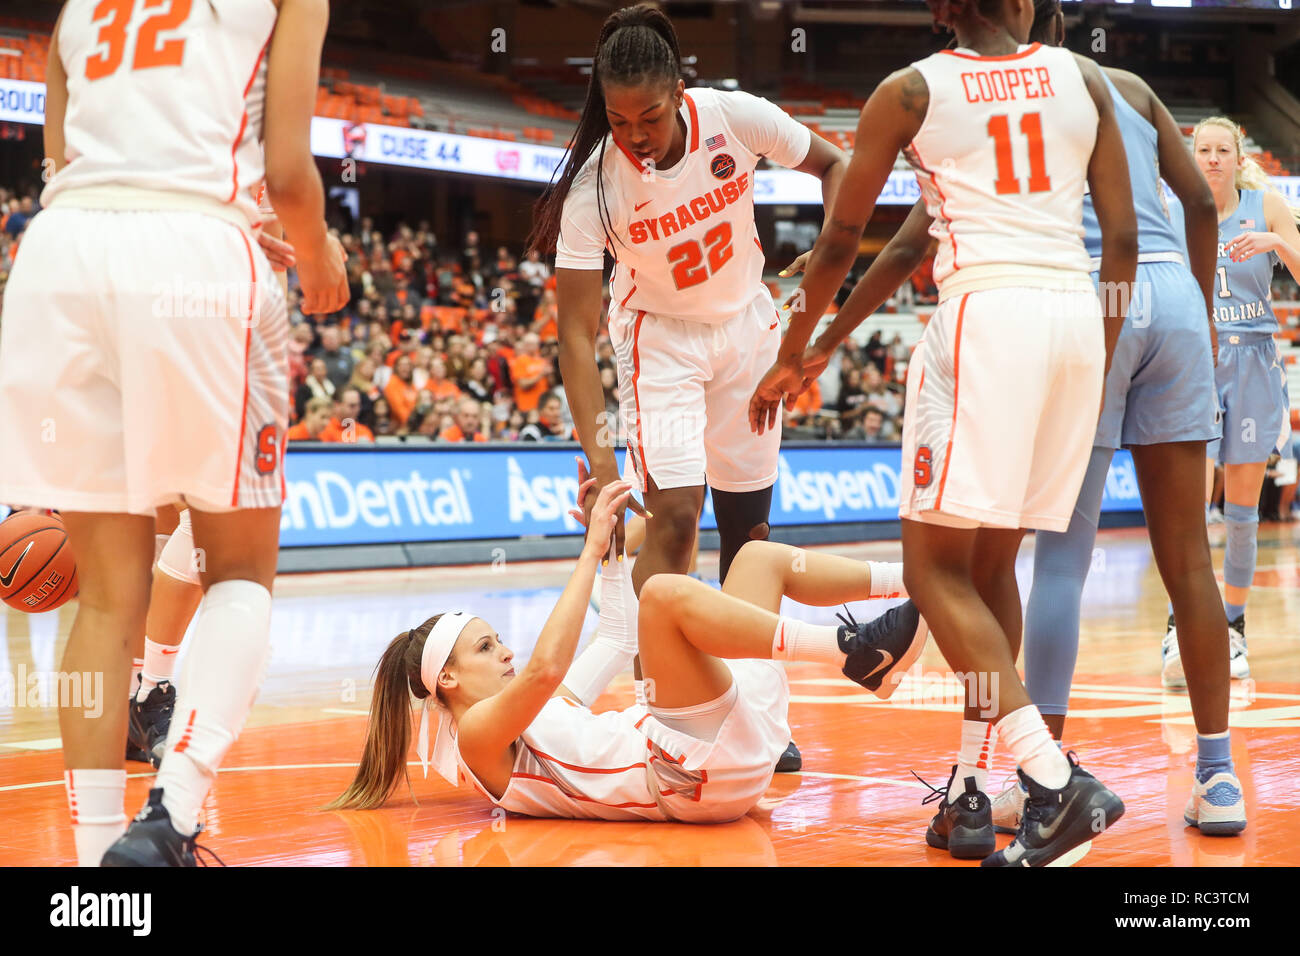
794,268
323,278
782,381
586,502
605,514
814,361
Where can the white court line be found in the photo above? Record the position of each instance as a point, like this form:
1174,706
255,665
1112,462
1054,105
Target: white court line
44,743
848,776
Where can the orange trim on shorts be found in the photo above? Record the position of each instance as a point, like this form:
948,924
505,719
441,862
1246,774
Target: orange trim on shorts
243,124
243,410
636,395
956,380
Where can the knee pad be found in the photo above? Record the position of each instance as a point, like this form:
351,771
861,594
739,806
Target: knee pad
1242,524
177,559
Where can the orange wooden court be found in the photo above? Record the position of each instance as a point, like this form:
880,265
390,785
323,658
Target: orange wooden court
855,803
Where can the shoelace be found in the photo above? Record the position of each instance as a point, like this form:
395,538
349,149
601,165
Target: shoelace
196,848
849,621
936,793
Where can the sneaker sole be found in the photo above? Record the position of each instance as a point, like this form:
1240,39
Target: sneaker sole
1081,832
1072,857
894,676
964,843
1007,831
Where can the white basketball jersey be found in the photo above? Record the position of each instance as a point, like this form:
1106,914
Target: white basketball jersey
165,96
575,764
683,239
1002,159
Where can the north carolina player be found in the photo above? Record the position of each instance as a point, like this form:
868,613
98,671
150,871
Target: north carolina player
710,719
1000,412
118,395
1257,229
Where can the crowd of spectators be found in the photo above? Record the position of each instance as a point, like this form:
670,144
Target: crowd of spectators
460,344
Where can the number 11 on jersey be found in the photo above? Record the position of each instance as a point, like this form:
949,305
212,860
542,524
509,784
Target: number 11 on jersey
1031,126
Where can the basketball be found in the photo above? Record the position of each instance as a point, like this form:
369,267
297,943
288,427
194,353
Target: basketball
38,571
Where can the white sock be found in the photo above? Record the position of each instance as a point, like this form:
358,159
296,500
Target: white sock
800,641
222,674
159,663
973,760
137,669
886,579
96,801
1030,742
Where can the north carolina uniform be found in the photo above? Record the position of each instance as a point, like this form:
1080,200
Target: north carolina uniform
1250,378
999,422
144,347
627,765
1160,388
693,327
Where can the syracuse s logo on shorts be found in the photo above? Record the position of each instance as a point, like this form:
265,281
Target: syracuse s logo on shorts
722,166
921,472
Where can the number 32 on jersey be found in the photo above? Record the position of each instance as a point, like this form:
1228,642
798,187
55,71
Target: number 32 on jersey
150,51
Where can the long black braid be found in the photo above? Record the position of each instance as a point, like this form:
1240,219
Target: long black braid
637,45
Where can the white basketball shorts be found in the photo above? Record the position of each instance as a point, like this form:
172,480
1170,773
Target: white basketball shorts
143,360
1003,394
684,390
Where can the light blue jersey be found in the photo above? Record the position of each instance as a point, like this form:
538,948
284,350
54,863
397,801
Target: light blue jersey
1242,290
1155,232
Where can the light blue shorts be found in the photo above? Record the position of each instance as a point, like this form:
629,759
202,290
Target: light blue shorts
1254,397
1161,382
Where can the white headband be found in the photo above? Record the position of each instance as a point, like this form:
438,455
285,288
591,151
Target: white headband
437,648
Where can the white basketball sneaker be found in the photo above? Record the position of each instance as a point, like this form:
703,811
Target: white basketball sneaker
1171,670
1216,807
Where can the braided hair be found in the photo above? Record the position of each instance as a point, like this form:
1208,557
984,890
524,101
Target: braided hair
637,45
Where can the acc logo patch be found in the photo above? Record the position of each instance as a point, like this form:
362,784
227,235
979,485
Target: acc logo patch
722,166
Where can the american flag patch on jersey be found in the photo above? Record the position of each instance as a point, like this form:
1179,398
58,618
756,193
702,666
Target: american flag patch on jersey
1247,223
716,142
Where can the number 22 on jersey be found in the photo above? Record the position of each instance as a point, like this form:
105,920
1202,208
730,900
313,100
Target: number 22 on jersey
149,50
688,259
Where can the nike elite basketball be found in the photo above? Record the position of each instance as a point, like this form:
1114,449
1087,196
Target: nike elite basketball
38,571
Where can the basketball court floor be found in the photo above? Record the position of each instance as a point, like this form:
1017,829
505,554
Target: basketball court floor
856,801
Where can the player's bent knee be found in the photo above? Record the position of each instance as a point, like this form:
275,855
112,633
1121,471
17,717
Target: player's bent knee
659,592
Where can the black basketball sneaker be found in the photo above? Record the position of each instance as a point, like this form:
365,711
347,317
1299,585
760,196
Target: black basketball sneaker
151,840
147,724
791,761
882,648
965,827
1055,822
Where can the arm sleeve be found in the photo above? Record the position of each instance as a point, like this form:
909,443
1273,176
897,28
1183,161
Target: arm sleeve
615,644
766,129
581,243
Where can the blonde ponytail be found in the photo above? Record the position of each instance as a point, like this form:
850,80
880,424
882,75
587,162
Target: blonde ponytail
1249,174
